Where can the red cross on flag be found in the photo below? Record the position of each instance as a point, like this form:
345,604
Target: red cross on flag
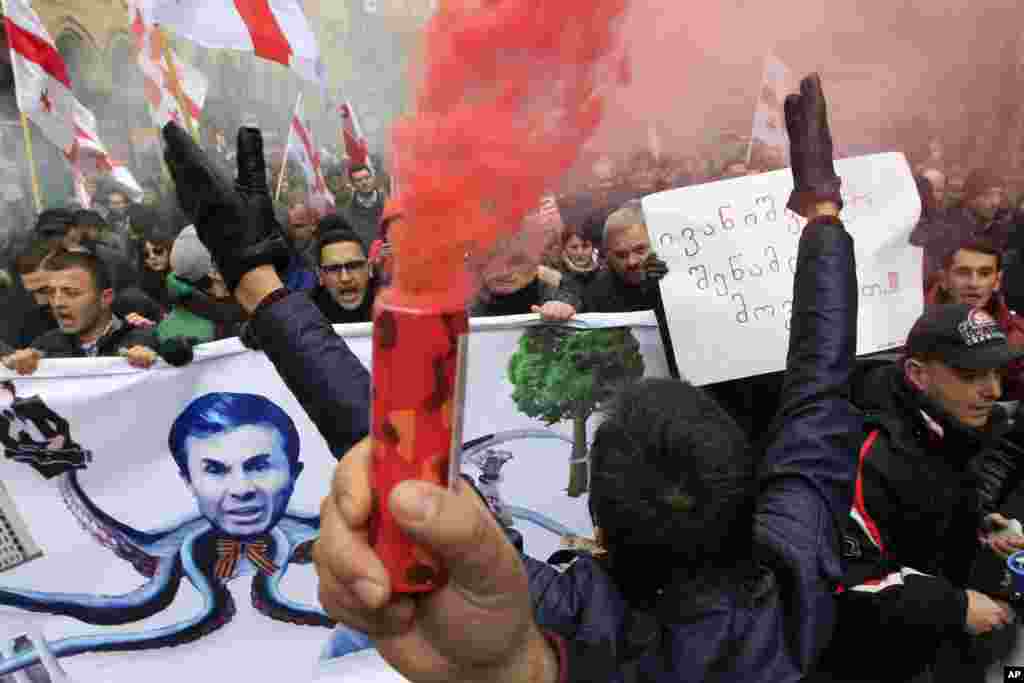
302,150
163,104
88,156
355,144
40,74
273,29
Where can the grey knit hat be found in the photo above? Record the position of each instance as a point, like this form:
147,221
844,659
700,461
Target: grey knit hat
190,260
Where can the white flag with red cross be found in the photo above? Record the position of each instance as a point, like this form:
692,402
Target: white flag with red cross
40,74
277,30
89,156
163,104
356,146
302,149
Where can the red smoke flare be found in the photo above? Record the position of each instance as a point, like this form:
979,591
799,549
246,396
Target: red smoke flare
511,90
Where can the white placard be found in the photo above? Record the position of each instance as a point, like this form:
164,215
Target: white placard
731,249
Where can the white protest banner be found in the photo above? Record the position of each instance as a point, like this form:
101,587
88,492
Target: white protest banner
151,573
731,250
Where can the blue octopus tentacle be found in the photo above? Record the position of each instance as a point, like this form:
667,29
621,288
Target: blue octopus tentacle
106,610
78,495
543,521
268,599
492,440
218,609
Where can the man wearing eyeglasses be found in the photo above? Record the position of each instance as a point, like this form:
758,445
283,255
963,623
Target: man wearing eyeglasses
346,290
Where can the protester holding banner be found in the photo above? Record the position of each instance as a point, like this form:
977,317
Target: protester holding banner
630,281
81,295
511,284
749,553
579,266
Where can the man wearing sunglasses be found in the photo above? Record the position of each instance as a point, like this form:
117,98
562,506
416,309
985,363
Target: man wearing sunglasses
346,287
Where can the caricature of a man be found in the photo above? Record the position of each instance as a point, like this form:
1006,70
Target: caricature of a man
239,456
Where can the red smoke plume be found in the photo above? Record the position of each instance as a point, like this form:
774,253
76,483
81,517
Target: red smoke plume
511,90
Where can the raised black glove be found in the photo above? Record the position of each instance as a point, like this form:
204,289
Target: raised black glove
810,149
655,268
236,221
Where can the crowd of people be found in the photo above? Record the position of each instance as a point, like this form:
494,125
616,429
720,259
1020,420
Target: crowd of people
774,527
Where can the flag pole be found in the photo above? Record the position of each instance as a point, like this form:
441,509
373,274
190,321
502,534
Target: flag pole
172,74
31,163
287,145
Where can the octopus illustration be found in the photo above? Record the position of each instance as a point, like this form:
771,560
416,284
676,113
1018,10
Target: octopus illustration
238,454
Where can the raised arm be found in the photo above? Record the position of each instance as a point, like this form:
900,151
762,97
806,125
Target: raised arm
808,469
816,431
236,222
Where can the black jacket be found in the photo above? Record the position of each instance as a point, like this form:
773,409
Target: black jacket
154,285
365,221
608,293
577,282
910,540
56,344
536,293
774,630
37,321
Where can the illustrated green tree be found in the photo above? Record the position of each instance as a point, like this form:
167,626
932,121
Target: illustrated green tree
561,373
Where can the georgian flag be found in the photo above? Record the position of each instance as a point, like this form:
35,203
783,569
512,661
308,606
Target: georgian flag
302,149
88,155
274,29
163,105
356,146
40,74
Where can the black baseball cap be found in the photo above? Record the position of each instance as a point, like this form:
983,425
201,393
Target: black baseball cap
962,337
55,222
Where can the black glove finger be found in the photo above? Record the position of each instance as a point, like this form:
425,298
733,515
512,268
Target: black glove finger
817,108
794,117
252,166
198,182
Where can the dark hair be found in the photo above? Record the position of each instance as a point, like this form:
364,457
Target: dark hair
334,236
978,244
64,260
221,412
571,231
31,257
358,167
90,218
673,484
